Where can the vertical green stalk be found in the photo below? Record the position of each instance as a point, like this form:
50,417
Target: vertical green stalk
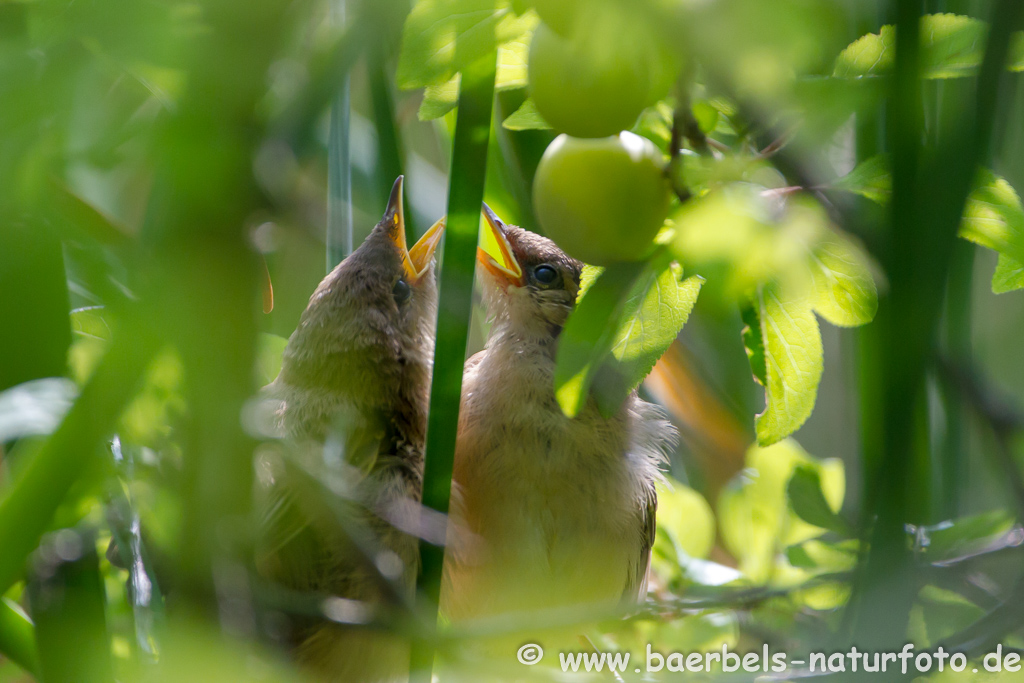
465,194
339,167
957,343
929,192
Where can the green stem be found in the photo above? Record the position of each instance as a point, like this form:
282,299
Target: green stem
339,169
465,195
929,193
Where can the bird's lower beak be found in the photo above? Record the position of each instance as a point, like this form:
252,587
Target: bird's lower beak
495,253
416,260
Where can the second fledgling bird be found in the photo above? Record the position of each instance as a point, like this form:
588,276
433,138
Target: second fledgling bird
354,385
561,511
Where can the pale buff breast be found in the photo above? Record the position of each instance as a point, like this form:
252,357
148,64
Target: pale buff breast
552,502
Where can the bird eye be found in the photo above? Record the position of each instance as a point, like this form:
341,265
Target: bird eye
401,291
545,275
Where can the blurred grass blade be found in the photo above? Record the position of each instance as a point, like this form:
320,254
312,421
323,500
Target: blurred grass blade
339,168
466,192
68,602
17,637
29,503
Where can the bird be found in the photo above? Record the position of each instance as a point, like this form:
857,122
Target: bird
354,386
548,511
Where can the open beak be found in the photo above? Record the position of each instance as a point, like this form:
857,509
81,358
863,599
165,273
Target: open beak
415,261
495,253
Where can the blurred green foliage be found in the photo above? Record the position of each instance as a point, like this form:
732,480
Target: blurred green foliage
152,153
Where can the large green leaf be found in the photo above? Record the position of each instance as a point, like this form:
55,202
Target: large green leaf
1009,275
951,46
440,99
441,37
590,332
844,292
993,217
793,361
643,337
623,323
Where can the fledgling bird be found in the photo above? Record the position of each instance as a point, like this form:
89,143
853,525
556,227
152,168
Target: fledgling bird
356,374
561,511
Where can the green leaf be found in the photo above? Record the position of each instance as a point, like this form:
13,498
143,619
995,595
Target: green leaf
685,530
1009,275
871,178
526,118
655,124
939,614
844,292
993,217
624,321
644,336
951,46
441,37
793,363
809,504
590,332
35,408
440,99
754,515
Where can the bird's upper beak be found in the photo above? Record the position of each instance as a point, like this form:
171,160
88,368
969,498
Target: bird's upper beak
495,253
416,260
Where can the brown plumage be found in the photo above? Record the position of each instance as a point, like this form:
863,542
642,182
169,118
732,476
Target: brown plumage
560,511
354,387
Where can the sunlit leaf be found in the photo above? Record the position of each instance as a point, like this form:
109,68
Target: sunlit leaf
526,118
685,523
740,238
844,291
754,516
951,46
623,323
1009,275
590,332
871,178
993,217
793,363
442,37
440,99
808,501
644,336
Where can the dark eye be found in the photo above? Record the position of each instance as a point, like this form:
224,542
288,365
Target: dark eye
545,275
401,291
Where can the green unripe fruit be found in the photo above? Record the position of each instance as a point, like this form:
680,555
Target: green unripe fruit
601,200
595,81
